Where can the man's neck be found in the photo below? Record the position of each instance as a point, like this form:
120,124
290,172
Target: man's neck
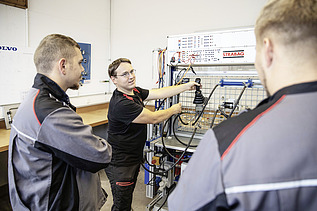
126,91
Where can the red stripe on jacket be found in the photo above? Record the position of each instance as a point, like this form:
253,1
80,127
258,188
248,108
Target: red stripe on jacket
34,107
249,125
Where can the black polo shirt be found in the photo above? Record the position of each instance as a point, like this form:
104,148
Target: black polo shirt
126,138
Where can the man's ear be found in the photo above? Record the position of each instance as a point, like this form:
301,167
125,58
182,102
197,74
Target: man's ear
62,66
113,78
268,52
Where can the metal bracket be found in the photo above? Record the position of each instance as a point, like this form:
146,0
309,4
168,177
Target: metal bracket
9,112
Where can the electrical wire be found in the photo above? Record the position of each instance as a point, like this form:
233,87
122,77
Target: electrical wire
238,100
151,182
189,66
233,109
174,123
178,75
162,57
167,195
187,146
205,104
213,119
178,159
161,66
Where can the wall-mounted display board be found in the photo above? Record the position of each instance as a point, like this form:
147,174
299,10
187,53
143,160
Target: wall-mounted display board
17,72
16,3
236,46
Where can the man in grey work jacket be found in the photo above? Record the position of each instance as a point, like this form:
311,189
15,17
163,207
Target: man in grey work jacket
265,159
53,156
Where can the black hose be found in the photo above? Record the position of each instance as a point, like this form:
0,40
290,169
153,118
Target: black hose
158,108
176,137
156,173
178,159
237,101
205,104
233,109
163,142
213,119
167,195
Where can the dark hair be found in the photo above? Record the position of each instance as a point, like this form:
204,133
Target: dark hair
115,64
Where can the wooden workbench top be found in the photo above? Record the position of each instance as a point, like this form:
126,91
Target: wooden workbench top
92,115
4,139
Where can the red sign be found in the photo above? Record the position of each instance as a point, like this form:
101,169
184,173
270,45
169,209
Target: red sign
233,54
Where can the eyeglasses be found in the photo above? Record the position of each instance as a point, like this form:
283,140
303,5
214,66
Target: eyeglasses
127,74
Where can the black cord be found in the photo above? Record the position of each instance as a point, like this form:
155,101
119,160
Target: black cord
205,104
145,159
178,77
165,148
176,137
213,119
237,101
184,69
153,172
180,119
178,159
153,182
158,108
167,195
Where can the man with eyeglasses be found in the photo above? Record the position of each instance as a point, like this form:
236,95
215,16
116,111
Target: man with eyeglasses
127,118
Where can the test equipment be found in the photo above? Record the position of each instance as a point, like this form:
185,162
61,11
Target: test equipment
223,63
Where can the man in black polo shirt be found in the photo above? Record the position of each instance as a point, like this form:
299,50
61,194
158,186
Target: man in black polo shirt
127,118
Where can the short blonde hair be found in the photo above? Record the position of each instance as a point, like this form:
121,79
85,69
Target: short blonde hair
293,20
52,48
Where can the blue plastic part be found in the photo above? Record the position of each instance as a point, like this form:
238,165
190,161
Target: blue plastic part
158,180
147,143
86,52
146,174
223,83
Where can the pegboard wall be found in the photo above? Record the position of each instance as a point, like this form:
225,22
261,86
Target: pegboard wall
223,98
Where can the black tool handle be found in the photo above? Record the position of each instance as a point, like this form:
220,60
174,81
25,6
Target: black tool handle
197,80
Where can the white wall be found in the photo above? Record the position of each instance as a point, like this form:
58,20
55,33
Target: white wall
86,23
140,26
137,28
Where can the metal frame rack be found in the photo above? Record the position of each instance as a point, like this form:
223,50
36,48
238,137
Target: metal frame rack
223,63
223,97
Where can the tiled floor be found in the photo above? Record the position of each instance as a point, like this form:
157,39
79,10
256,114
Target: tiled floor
140,201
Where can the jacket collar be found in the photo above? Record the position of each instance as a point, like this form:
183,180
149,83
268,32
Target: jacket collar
43,82
293,89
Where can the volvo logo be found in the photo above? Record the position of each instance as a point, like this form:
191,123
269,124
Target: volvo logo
8,48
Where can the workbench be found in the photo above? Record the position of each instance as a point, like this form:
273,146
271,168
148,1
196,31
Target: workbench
93,115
